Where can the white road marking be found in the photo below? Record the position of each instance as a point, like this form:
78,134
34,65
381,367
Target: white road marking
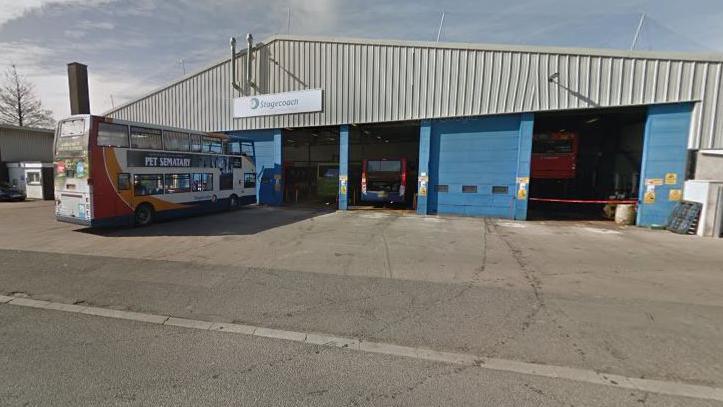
504,365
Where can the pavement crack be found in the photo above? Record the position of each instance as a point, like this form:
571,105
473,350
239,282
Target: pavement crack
444,299
404,389
387,256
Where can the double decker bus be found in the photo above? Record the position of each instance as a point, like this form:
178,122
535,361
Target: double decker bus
112,172
384,180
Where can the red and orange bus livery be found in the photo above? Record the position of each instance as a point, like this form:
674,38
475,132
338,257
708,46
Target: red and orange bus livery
112,172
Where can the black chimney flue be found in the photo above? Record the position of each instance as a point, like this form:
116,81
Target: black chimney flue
78,87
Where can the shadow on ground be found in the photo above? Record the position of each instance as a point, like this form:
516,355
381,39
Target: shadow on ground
245,221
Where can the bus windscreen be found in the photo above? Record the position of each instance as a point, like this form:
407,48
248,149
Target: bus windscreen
384,166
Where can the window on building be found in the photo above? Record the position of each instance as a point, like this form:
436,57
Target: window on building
178,183
442,188
500,189
176,141
146,138
211,145
469,189
202,182
250,180
112,135
195,143
147,184
33,178
124,181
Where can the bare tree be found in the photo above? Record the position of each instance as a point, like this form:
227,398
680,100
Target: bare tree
19,105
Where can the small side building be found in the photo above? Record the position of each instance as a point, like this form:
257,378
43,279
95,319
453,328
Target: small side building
26,159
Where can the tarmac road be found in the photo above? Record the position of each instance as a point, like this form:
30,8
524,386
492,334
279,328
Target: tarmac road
52,358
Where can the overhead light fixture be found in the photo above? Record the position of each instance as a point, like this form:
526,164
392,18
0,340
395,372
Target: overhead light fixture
593,120
386,141
379,137
292,141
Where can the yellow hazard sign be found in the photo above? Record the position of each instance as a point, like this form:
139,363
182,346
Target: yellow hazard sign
671,178
675,195
649,197
342,184
423,180
522,192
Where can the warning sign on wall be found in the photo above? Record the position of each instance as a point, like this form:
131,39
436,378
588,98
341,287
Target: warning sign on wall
522,189
649,196
671,178
675,195
342,184
423,181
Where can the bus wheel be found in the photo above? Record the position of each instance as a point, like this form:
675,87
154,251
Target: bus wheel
144,215
233,202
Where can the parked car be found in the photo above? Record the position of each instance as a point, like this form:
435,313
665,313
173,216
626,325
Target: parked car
10,193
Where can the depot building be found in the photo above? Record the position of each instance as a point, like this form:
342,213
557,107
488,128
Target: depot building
512,132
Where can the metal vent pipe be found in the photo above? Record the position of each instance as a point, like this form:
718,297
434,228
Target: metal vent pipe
234,80
249,63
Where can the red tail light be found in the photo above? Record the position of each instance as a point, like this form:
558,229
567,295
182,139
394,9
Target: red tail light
403,186
364,177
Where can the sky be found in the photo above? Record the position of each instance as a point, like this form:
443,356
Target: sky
134,46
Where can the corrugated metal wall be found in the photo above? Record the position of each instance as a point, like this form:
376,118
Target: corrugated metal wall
23,144
378,81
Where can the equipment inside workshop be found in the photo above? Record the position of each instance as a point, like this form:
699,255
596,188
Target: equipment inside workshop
311,166
383,162
585,163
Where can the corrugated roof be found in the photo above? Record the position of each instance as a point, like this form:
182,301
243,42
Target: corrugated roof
603,52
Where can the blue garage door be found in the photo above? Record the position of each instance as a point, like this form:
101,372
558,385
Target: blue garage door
664,161
474,166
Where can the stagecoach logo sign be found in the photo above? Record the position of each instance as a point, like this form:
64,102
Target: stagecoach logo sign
278,103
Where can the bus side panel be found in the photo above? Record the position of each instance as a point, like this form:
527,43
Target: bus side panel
107,203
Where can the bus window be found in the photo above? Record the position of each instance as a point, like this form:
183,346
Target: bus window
249,180
233,148
195,143
202,182
146,138
112,135
178,183
247,149
176,141
384,166
211,145
147,184
552,146
124,181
